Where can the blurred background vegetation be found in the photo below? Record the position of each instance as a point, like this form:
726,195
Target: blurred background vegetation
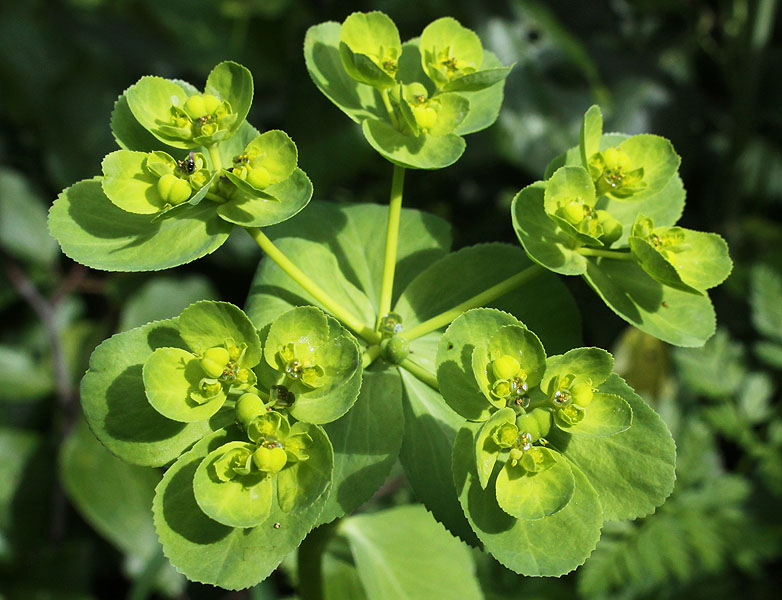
75,522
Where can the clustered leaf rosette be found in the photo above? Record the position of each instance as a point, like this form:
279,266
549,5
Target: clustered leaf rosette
541,437
189,168
415,100
607,211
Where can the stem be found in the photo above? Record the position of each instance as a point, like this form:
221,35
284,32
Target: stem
217,163
370,354
481,299
421,373
617,254
392,239
214,197
389,108
310,561
312,288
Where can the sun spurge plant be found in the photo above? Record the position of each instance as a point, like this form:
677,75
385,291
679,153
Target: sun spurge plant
365,339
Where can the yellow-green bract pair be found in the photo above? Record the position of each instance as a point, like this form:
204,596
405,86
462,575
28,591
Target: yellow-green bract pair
506,382
414,100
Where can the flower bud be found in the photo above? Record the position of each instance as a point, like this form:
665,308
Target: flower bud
505,435
248,407
270,460
505,367
214,361
425,116
582,393
537,423
573,212
612,228
172,189
201,105
259,177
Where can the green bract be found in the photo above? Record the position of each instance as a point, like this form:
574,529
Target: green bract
158,207
427,96
314,365
191,385
181,117
678,257
575,223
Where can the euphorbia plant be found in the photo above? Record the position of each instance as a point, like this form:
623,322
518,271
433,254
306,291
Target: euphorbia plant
364,339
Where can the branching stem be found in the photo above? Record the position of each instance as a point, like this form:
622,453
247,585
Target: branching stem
370,355
419,372
481,299
214,154
312,288
392,240
617,254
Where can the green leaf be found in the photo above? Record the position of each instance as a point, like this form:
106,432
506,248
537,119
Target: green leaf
274,153
405,150
465,273
430,430
306,325
301,483
116,406
533,496
485,104
170,376
354,235
208,552
207,324
129,184
113,496
164,298
244,501
23,232
129,133
390,567
290,197
593,363
548,547
486,449
446,40
321,54
366,42
94,232
543,241
607,414
658,159
703,262
455,373
716,370
150,101
677,317
233,82
632,471
366,443
475,82
766,301
591,131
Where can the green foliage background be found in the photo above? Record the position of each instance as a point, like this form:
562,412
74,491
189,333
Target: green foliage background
75,522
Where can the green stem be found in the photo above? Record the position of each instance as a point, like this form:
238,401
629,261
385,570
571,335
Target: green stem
370,355
617,254
214,197
217,163
310,561
389,108
421,373
481,299
392,240
312,288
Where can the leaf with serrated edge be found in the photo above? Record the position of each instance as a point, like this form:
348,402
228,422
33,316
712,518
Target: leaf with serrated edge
207,324
116,406
632,471
548,547
366,443
94,232
208,552
421,152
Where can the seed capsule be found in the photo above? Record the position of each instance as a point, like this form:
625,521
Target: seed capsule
215,361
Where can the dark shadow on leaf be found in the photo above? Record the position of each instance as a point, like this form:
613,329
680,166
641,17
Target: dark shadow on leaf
182,514
626,287
130,417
